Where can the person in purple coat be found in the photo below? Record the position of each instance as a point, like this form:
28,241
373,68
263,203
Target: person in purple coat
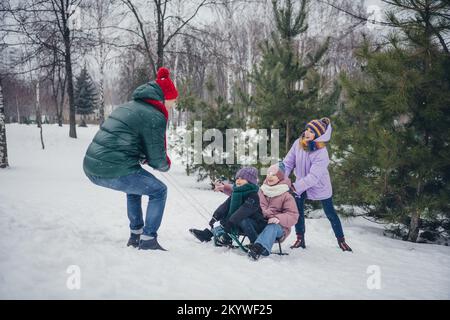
308,158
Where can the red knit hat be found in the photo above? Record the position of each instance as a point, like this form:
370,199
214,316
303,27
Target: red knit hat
166,84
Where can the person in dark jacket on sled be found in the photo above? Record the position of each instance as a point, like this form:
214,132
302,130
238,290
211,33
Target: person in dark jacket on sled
240,214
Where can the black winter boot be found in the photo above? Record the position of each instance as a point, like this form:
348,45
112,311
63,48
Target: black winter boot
343,245
223,240
300,242
202,235
151,244
134,240
256,250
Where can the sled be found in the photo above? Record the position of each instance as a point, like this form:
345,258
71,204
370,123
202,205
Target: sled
238,243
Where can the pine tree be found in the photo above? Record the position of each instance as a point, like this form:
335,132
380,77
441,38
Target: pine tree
393,136
219,115
286,84
85,95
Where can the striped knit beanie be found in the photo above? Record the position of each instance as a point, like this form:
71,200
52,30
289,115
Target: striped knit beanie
318,126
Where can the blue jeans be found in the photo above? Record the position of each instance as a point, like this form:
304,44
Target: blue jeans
327,206
136,185
268,237
248,227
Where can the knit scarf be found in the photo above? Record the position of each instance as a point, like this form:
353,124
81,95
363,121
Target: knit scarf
274,191
238,195
311,145
158,105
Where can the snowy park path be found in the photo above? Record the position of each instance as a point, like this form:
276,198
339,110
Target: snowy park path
52,217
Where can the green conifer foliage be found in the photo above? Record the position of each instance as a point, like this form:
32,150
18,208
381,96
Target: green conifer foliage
85,95
286,83
392,138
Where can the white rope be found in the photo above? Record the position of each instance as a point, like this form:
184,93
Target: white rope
192,201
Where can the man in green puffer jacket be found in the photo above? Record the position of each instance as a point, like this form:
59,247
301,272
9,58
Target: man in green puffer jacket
134,134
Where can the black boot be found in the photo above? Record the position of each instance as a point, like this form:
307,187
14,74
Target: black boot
300,242
223,240
343,245
256,250
151,244
202,235
134,240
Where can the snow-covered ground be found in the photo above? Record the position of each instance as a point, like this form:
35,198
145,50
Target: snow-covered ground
52,217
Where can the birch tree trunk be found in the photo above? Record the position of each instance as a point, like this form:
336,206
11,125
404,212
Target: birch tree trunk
38,113
101,107
230,57
3,146
102,13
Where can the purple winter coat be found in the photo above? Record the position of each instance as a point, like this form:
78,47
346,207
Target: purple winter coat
310,169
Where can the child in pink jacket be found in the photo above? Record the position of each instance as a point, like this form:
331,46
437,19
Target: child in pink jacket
309,160
279,209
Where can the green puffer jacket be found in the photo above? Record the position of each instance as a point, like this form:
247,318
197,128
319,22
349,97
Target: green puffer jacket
133,132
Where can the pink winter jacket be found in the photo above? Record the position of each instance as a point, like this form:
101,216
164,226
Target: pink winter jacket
282,207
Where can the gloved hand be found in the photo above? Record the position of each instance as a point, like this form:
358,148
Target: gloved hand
273,221
142,159
218,186
211,222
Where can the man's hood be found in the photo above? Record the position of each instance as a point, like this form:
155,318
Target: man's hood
150,90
